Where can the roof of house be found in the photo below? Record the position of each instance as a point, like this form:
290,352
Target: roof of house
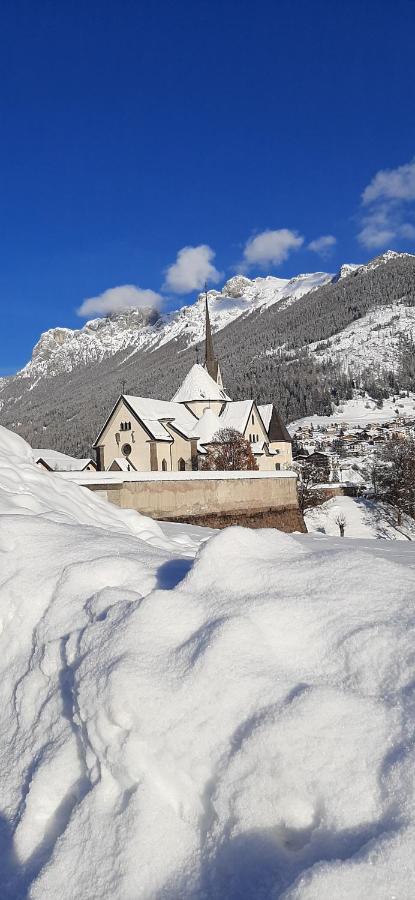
198,385
60,462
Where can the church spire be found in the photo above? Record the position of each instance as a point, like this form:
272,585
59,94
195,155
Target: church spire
211,363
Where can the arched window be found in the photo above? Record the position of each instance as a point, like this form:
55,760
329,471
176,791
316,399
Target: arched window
181,465
277,467
163,465
253,419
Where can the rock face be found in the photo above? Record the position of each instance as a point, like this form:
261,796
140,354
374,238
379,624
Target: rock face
61,350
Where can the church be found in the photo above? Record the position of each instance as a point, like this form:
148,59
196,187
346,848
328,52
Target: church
146,435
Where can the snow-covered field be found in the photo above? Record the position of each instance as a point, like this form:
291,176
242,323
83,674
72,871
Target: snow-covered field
364,519
235,726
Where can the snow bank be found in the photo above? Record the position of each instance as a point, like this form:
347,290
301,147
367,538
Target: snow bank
240,727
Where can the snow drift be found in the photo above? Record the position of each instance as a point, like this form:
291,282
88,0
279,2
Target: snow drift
239,727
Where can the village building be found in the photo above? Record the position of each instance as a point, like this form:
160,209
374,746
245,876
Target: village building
54,461
142,434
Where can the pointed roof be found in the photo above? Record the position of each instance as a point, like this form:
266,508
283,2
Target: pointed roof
274,425
211,363
199,385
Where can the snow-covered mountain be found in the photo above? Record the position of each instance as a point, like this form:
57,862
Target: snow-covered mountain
60,350
276,334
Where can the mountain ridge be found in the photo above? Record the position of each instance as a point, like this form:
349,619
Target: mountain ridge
270,338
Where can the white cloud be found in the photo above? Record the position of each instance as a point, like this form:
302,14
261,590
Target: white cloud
193,267
118,299
269,248
391,184
389,200
322,245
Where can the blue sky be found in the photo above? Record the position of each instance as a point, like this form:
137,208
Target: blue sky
246,131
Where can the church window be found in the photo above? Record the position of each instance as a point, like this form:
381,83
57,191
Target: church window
181,465
253,419
277,466
126,449
163,465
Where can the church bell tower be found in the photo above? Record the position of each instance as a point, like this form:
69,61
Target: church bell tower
211,364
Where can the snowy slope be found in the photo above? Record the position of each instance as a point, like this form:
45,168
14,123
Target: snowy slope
361,411
372,341
364,519
244,730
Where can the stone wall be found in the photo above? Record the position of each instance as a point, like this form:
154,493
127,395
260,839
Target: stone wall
254,499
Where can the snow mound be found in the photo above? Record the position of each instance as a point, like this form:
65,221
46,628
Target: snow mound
240,727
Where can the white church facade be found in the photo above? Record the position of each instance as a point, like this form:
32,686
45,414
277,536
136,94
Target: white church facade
142,434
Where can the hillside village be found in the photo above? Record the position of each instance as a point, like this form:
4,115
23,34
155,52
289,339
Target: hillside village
343,446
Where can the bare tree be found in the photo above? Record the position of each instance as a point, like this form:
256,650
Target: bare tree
308,485
340,520
229,451
395,478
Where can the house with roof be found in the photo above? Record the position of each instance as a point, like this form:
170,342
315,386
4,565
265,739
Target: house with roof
144,434
54,461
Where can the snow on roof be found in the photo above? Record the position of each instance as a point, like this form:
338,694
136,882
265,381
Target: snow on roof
124,464
60,462
235,415
153,412
198,385
265,412
207,426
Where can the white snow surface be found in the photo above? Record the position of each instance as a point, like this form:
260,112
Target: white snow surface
60,462
361,411
237,726
363,519
198,385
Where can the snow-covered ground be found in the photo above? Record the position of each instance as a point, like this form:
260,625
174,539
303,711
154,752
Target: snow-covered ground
238,725
361,411
364,519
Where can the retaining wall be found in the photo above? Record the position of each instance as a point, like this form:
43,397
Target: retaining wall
214,499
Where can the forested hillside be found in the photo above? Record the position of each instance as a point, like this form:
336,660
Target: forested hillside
273,353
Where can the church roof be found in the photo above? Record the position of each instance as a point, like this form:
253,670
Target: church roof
265,411
198,385
236,414
153,412
274,425
208,424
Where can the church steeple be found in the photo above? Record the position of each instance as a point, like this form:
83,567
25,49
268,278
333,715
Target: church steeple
211,364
